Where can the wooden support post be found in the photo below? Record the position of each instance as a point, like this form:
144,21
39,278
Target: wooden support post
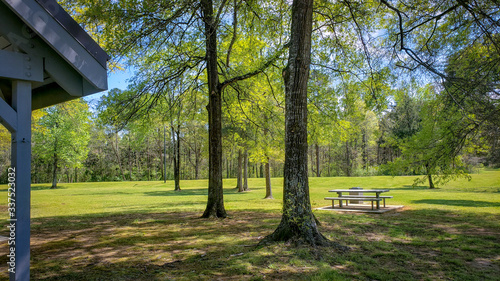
21,162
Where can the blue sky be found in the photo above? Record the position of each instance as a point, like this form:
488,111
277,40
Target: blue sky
117,79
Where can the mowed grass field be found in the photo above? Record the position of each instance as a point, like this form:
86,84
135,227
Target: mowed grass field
146,231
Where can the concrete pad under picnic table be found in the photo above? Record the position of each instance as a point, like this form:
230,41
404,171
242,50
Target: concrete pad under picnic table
361,208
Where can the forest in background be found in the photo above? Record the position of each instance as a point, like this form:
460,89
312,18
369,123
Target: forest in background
77,142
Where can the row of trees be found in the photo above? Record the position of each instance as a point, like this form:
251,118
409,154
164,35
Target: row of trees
72,142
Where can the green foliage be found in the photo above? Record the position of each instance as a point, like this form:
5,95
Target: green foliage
367,57
63,132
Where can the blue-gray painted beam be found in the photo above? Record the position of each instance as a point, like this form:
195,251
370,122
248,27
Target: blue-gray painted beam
21,66
75,30
8,116
40,21
21,161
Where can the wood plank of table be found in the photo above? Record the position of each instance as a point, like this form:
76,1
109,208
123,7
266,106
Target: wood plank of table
359,190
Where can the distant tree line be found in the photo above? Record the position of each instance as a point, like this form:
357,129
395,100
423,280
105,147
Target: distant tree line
73,143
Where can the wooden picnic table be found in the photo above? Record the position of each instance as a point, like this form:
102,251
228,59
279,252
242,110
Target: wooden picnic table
377,197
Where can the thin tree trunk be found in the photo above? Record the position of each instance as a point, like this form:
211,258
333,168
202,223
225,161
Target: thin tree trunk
118,158
329,160
130,159
239,181
245,171
318,172
312,162
164,154
148,159
54,171
429,177
176,142
365,154
267,173
431,184
178,176
348,159
227,167
297,222
215,202
197,162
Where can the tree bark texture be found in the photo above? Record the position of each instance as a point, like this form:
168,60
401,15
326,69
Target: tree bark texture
215,202
297,223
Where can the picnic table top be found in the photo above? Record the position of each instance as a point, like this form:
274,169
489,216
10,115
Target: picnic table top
359,190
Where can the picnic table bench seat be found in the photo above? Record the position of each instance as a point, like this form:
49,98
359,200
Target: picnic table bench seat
370,196
356,197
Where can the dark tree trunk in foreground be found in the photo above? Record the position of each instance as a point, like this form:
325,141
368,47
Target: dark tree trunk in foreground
215,202
297,223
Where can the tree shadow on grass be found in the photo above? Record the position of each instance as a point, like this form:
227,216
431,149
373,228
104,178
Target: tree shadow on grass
461,203
405,245
191,191
411,187
182,192
47,187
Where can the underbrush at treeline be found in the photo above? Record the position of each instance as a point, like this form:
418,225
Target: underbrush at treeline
145,231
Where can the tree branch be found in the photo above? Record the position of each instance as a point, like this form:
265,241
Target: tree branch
257,71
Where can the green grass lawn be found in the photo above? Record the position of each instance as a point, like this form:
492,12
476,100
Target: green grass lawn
146,231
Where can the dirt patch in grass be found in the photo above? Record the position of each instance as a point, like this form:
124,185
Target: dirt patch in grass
423,244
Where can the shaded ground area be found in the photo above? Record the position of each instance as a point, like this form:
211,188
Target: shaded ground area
403,245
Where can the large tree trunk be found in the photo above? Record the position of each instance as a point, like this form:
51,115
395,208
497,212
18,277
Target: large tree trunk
297,223
215,202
